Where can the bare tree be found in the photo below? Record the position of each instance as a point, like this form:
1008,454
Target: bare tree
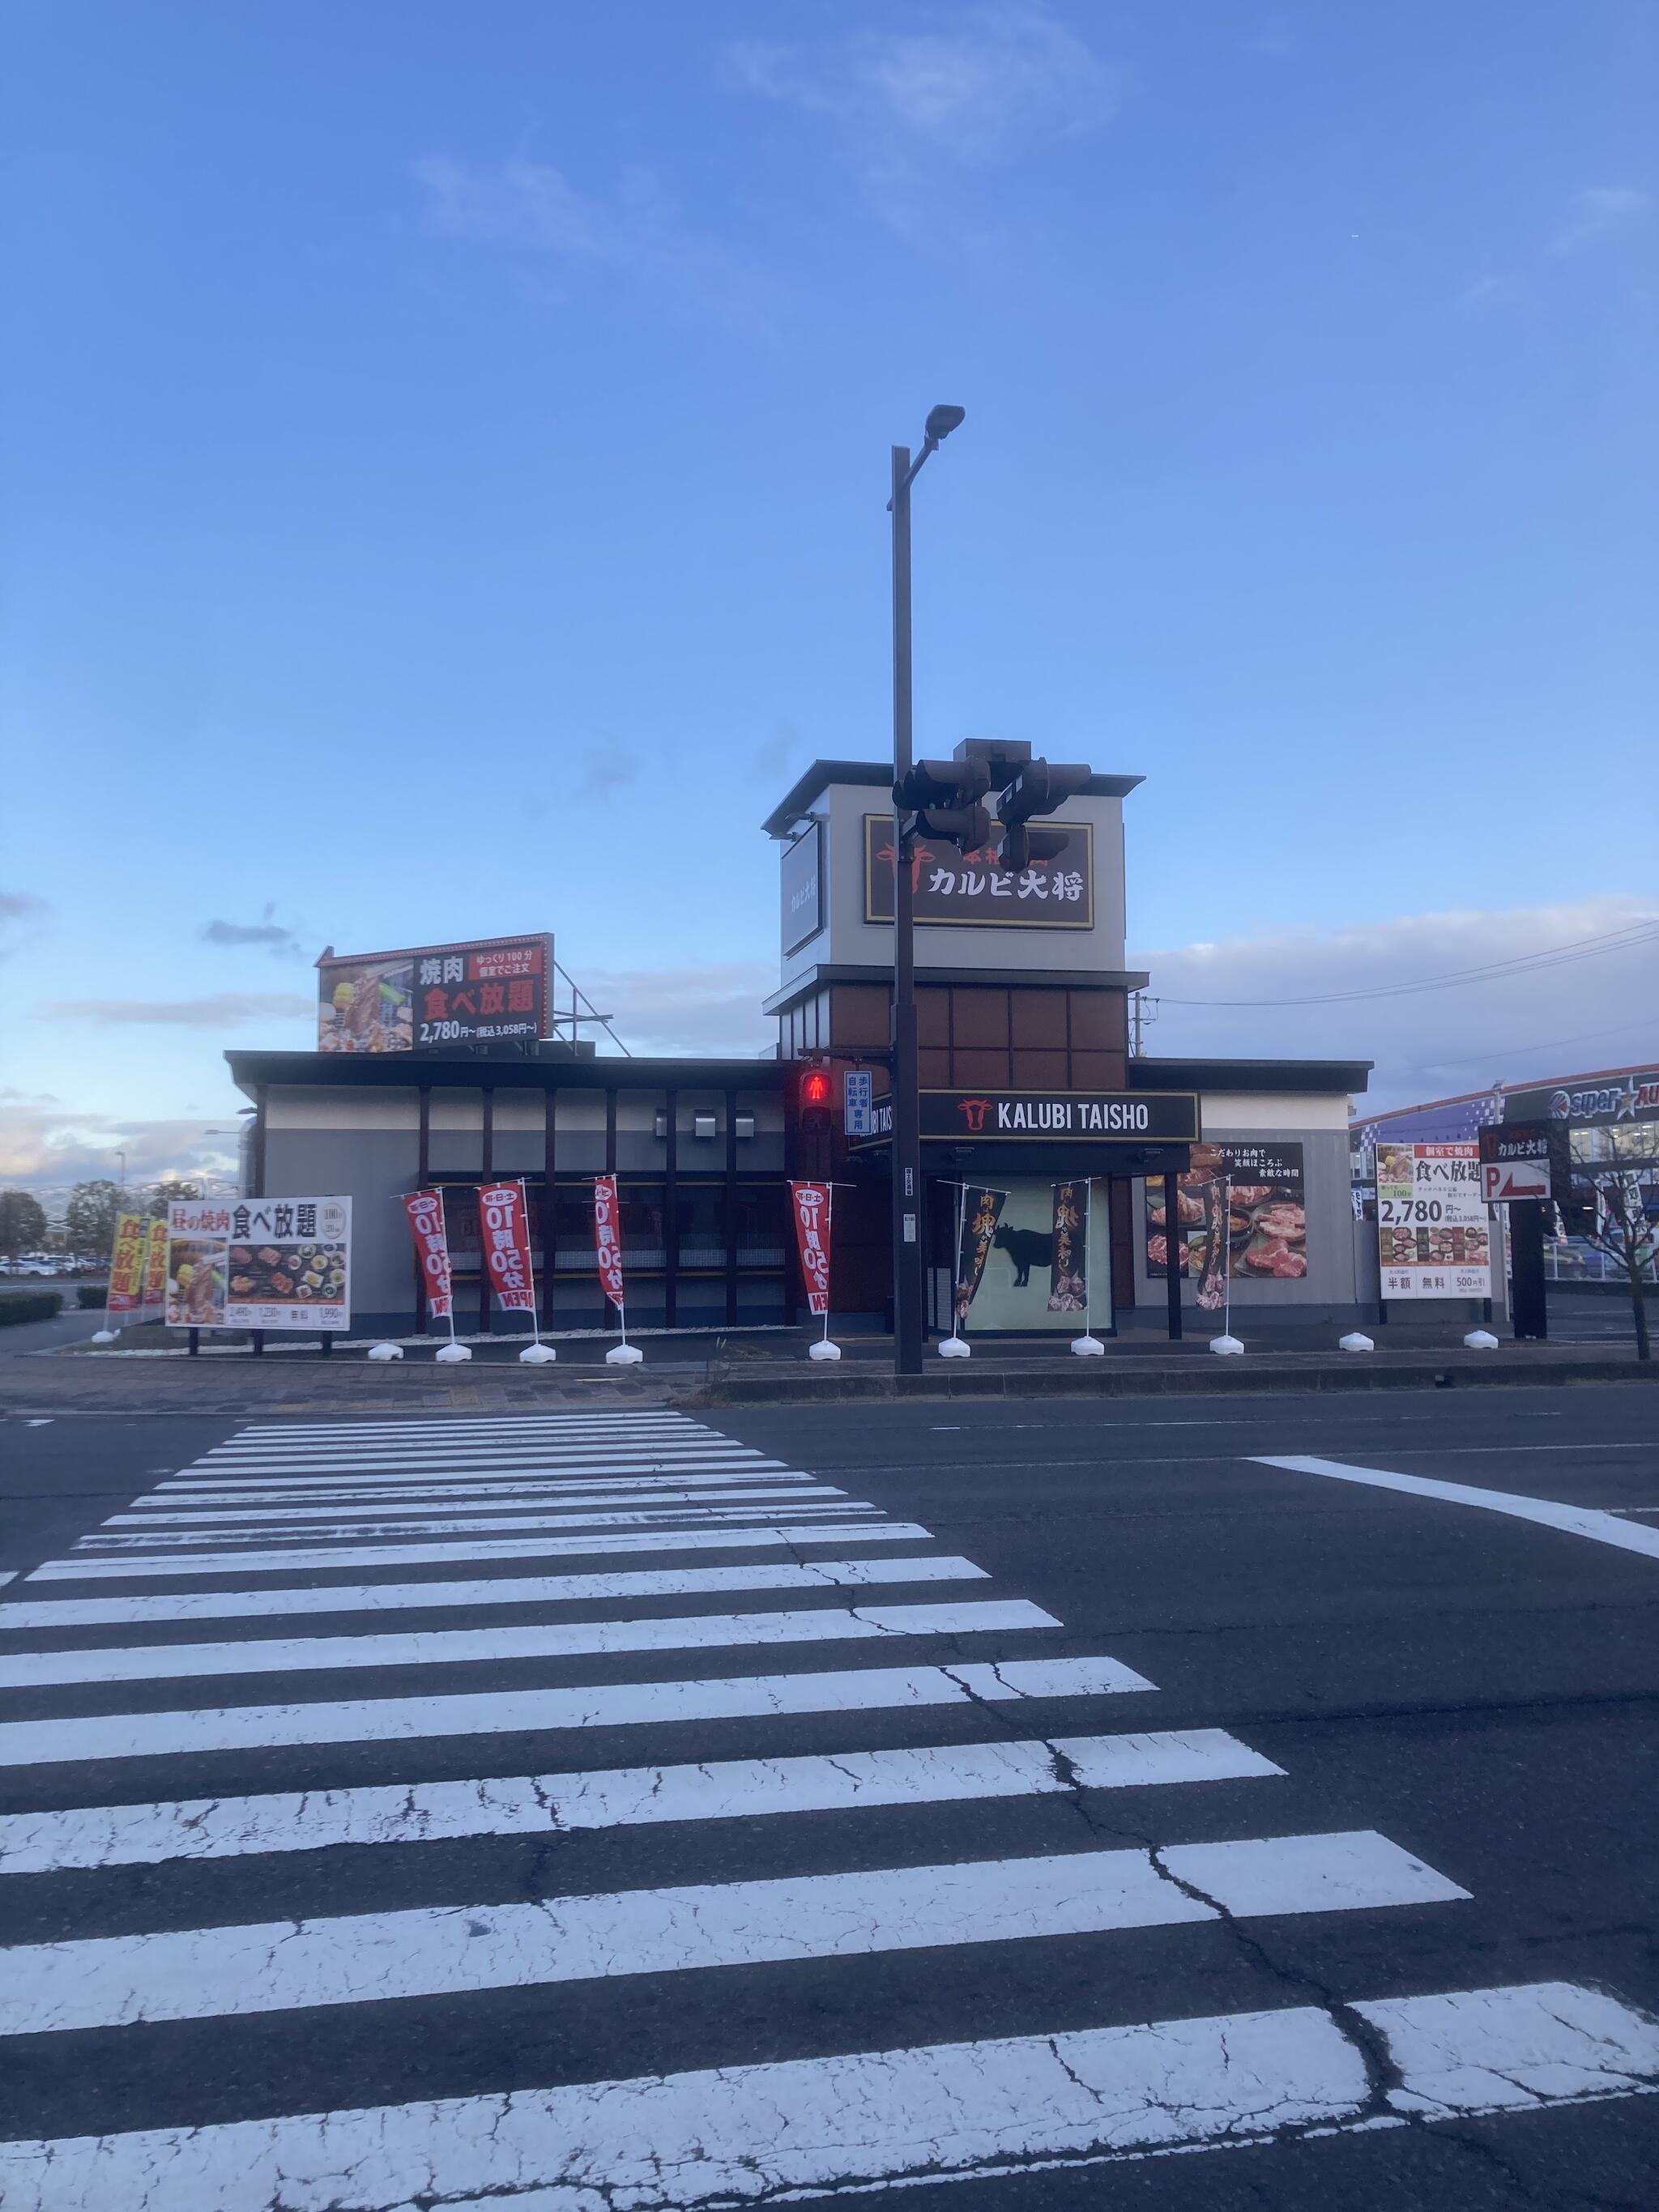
1620,1226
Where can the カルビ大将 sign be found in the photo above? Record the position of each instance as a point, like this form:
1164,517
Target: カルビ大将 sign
433,995
1055,893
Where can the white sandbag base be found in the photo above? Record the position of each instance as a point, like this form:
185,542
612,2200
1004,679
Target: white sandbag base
450,1354
623,1355
386,1351
1354,1341
1088,1347
105,1335
823,1350
1229,1346
954,1348
538,1355
1482,1340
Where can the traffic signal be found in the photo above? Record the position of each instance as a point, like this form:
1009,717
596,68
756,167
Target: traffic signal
813,1098
946,798
1039,787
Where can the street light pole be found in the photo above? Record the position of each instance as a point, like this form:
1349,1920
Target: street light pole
907,1102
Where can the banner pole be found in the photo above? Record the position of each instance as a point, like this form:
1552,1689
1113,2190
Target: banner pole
1088,1256
958,1320
829,1253
530,1263
443,1224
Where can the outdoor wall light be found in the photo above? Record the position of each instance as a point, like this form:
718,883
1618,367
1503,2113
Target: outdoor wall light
746,1123
705,1125
659,1122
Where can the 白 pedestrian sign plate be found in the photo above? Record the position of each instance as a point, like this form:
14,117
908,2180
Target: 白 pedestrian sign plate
1503,1181
857,1097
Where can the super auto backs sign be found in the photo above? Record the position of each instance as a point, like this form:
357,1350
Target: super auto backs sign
1624,1095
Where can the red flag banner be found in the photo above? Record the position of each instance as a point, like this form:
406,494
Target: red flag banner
504,1239
607,1237
811,1202
425,1209
127,1265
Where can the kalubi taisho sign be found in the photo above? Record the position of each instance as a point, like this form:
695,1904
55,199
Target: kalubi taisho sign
1033,1116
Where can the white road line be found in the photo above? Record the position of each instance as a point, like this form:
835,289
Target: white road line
497,1590
667,1455
186,1488
208,1974
766,1507
10,1575
500,1712
637,1441
615,1424
810,2127
499,1643
168,1515
629,1797
1572,1520
134,1566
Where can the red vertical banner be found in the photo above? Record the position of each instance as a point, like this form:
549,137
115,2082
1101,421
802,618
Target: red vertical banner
607,1237
504,1241
425,1210
811,1203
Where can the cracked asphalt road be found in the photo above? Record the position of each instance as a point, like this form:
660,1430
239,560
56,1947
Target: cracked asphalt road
1480,1692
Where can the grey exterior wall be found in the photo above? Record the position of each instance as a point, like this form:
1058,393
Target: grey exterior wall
372,1168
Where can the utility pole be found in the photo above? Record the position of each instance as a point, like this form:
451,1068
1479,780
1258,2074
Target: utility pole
907,1104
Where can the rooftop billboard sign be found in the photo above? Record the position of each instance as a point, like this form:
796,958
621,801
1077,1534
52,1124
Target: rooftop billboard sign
431,997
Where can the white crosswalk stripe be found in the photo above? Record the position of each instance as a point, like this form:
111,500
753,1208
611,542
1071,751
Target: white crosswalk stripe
804,1815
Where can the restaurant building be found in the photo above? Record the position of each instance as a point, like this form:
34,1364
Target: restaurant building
1028,1083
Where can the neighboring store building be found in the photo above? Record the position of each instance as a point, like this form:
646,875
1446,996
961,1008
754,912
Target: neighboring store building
1596,1106
1028,1082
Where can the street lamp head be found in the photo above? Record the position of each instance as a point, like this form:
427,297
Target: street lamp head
941,421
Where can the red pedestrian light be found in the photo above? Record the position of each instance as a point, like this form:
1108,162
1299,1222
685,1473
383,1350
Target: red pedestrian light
814,1096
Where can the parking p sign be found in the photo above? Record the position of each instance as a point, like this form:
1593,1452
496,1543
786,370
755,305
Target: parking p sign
857,1098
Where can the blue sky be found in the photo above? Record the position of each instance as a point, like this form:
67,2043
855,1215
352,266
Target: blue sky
439,437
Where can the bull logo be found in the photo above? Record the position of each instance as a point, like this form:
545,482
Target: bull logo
974,1111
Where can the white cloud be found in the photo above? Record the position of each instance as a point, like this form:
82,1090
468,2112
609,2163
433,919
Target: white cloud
1493,294
1598,212
672,1011
223,1010
532,212
991,82
1590,1011
45,1146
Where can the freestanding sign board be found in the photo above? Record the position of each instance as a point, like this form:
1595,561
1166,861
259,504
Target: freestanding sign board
1433,1241
260,1263
1525,1160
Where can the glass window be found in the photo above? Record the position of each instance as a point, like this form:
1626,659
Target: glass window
701,1209
761,1220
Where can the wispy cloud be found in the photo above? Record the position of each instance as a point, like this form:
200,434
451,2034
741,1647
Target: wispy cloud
45,1145
1598,212
781,745
605,769
222,1009
1591,1012
562,236
1493,295
714,1009
1274,38
267,931
17,910
992,82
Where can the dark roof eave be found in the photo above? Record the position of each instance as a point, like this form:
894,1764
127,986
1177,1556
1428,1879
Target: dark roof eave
252,1071
1156,1073
834,971
878,775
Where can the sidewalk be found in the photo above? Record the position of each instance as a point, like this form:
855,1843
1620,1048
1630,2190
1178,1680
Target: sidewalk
768,1369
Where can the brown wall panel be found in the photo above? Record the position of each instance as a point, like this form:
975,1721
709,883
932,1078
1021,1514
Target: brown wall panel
1041,1070
934,1068
1096,1071
859,1017
987,1071
1123,1264
979,1019
1099,1021
933,1014
1038,1019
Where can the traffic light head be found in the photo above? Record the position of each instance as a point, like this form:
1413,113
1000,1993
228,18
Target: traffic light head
946,796
1020,847
1039,786
814,1100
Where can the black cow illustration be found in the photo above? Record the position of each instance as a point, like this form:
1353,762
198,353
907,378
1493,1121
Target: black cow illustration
1026,1248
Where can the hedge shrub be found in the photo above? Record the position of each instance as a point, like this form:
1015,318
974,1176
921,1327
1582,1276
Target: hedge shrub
90,1295
29,1305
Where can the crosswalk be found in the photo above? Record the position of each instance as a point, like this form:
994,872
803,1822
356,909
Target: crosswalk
581,1810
